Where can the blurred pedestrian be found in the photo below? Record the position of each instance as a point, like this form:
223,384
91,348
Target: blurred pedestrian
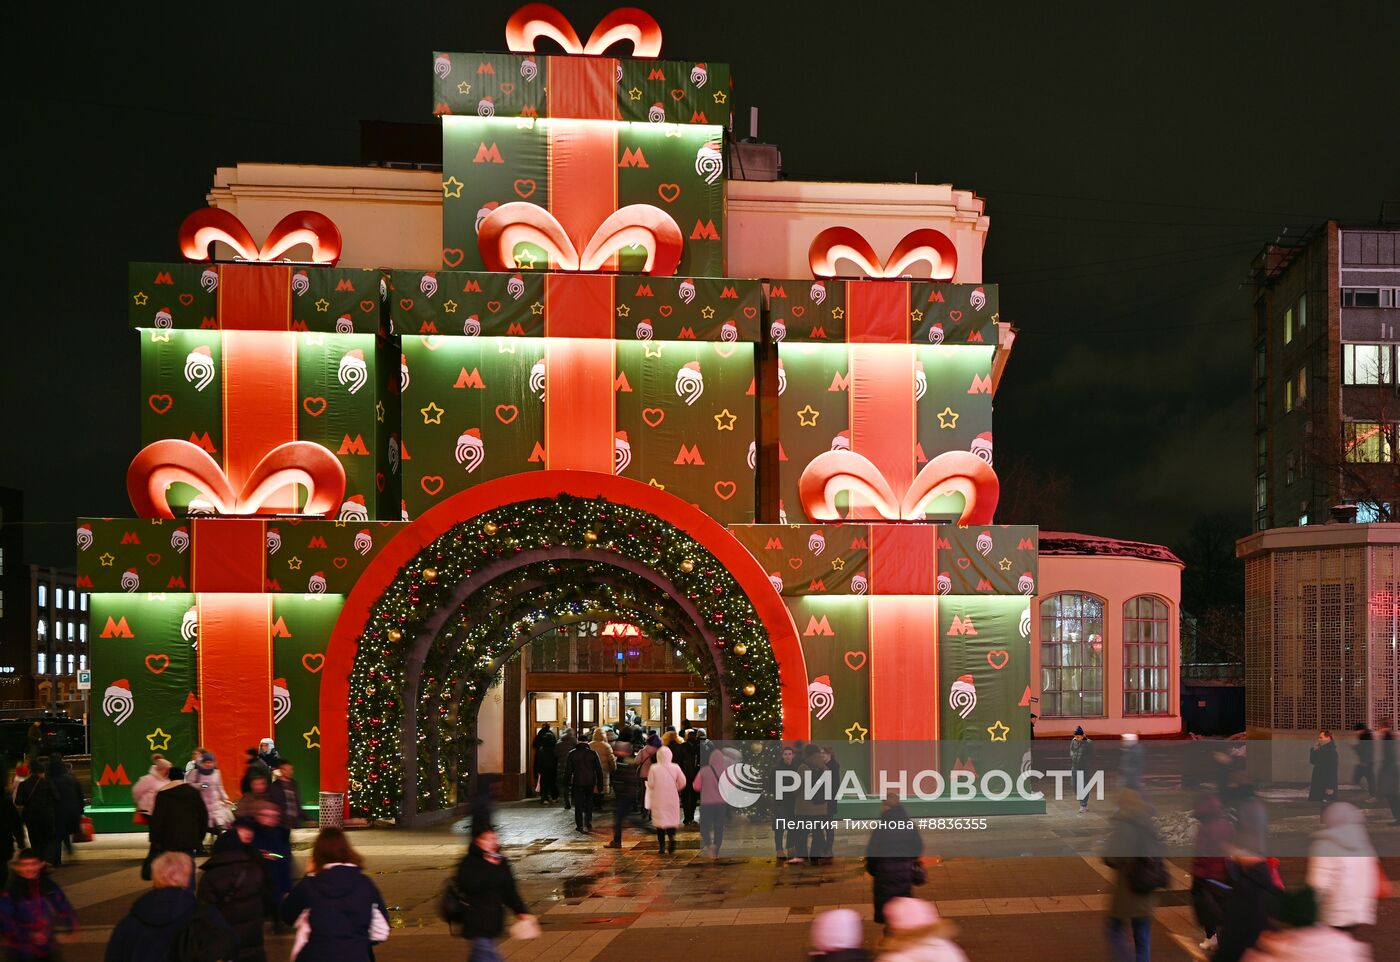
11,825
338,912
253,796
1388,768
1343,869
603,749
664,783
1251,818
481,891
582,776
1297,936
35,915
143,793
828,834
809,805
71,804
178,821
167,919
39,804
893,856
1135,854
686,754
714,810
1254,883
783,800
1130,764
567,742
233,883
627,783
253,767
1323,756
207,778
268,754
1210,866
917,933
546,766
1081,764
838,936
1364,774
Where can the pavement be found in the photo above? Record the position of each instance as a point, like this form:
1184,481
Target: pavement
596,903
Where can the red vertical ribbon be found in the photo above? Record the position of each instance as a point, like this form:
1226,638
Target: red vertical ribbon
904,683
235,677
902,559
882,382
260,404
579,362
227,554
255,297
582,153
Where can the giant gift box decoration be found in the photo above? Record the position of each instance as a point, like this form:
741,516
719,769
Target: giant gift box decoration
296,414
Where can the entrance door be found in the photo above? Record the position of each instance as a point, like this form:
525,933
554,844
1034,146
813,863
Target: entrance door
588,711
695,710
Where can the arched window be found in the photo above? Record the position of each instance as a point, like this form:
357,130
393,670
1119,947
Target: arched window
1146,656
1071,656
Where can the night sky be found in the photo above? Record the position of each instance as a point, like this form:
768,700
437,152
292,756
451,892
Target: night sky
1134,158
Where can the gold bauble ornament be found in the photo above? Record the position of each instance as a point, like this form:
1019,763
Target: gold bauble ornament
740,649
590,536
395,635
489,528
749,689
430,574
687,566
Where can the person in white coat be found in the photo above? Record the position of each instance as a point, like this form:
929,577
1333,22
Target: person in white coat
664,783
1298,936
206,777
1343,869
143,793
917,933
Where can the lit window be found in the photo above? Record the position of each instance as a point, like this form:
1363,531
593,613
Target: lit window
1146,657
82,632
42,629
41,665
70,631
1302,384
1303,520
70,664
1071,656
71,604
1366,364
1288,395
1368,442
58,598
82,601
43,595
1288,326
82,662
1302,311
1370,512
1261,493
1361,297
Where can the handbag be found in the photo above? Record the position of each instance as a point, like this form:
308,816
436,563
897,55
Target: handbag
85,832
525,928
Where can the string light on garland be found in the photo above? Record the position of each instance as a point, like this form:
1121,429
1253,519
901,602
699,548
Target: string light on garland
465,657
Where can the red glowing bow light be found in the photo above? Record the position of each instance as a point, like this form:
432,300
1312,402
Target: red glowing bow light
625,24
621,629
202,228
162,463
522,223
952,472
844,243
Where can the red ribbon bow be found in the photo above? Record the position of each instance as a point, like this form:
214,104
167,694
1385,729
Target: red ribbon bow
536,20
209,224
925,244
952,472
519,222
162,463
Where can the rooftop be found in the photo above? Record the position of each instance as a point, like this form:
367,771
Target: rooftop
1073,543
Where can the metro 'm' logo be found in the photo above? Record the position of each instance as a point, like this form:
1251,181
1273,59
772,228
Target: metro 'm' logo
203,440
622,385
984,585
355,445
729,291
279,629
472,287
774,544
818,627
114,776
704,231
656,74
699,117
116,629
428,327
316,542
163,277
644,290
485,67
859,544
1025,544
488,155
472,380
345,284
537,455
687,333
840,382
962,626
936,297
817,584
130,537
689,455
633,157
777,290
516,329
981,384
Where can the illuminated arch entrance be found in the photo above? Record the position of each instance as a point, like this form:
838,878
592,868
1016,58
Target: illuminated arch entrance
446,604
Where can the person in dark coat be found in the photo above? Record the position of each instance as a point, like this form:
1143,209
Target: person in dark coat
546,767
828,837
1388,768
686,754
34,912
253,767
1133,840
157,919
1364,774
70,803
783,802
1082,766
892,856
1245,910
1323,756
627,785
338,912
269,755
1210,866
567,742
583,773
11,825
232,882
484,887
39,805
179,818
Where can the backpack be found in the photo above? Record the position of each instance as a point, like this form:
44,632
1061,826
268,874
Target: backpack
1146,875
450,905
204,938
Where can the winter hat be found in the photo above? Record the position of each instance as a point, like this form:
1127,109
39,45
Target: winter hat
836,930
207,757
1130,737
906,914
1079,729
1342,813
480,826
